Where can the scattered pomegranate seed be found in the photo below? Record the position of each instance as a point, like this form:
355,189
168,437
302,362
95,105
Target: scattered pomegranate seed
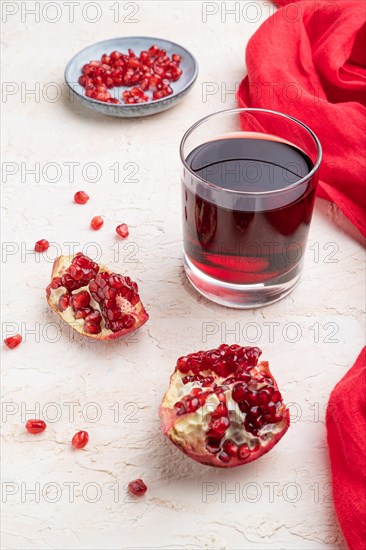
13,341
41,246
122,230
96,223
137,487
35,426
81,197
80,439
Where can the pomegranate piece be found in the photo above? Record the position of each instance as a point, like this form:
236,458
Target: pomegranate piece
137,487
230,411
96,223
95,301
13,341
35,426
80,440
122,230
81,197
41,246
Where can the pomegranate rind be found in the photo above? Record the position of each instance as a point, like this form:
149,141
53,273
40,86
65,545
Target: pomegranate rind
188,432
60,266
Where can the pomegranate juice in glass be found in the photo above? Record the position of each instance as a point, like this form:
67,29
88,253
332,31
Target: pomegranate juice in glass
248,191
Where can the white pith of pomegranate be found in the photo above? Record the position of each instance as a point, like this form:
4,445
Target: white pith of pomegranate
95,301
223,407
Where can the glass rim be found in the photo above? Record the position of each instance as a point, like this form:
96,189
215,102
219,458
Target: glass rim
239,110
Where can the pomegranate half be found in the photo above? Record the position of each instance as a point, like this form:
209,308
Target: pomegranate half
223,407
93,300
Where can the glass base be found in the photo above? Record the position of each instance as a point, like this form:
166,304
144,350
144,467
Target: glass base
242,296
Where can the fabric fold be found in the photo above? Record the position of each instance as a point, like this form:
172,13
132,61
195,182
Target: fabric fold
310,62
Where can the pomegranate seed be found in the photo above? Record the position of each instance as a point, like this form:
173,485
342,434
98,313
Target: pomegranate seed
122,230
137,487
128,321
177,58
220,425
81,197
177,73
56,282
13,341
213,446
114,56
238,392
94,317
106,59
230,447
158,94
41,246
76,272
276,397
134,62
81,299
153,50
224,457
35,426
79,440
92,328
182,364
264,397
102,96
192,404
83,312
64,302
155,81
96,223
243,451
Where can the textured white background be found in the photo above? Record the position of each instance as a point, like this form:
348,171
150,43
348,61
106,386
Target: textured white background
127,379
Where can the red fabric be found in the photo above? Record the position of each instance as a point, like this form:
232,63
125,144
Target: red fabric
346,427
309,60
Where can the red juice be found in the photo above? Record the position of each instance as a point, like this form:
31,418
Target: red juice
249,222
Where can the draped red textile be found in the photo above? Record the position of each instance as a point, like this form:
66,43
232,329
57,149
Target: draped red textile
309,60
346,428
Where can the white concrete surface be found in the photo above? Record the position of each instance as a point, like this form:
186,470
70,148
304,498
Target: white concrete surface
282,501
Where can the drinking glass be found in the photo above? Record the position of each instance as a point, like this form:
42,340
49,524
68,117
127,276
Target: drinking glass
249,178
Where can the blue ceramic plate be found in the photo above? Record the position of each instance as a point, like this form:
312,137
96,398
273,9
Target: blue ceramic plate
188,65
